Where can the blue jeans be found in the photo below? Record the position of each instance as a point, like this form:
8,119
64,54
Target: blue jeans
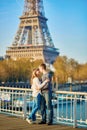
36,107
46,102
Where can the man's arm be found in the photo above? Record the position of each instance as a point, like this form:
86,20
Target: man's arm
40,85
46,86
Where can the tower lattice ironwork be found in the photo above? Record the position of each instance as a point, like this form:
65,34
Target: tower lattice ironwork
33,38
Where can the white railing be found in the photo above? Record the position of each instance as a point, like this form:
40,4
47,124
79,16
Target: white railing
69,107
15,101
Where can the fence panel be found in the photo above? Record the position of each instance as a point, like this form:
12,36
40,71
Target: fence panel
69,108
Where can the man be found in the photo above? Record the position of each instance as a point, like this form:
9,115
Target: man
46,97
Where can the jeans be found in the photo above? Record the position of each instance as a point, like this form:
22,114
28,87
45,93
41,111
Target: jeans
46,102
36,107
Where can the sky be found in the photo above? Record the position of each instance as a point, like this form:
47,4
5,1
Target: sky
67,22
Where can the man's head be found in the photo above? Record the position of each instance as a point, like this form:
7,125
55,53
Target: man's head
42,67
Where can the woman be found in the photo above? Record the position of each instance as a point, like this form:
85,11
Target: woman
36,88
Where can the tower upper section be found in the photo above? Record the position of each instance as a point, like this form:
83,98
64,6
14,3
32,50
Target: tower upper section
33,29
33,7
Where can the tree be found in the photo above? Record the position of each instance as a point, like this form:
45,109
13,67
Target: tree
21,69
61,68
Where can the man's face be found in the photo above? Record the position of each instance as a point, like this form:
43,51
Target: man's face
41,69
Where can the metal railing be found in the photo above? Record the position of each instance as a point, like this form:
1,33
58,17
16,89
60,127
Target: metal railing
72,108
15,101
69,108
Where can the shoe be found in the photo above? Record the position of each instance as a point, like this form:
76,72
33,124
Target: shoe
49,123
29,121
42,122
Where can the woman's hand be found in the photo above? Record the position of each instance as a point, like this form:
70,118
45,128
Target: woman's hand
47,80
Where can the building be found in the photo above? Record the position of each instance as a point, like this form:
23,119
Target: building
33,39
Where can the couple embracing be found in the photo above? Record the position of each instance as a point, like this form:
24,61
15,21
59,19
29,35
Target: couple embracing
42,94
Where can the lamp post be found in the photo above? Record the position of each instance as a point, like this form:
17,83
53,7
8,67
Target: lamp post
70,82
31,60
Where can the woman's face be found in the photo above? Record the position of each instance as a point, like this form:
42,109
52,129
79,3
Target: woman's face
38,72
40,69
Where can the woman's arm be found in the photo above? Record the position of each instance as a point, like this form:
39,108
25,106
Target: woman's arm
41,85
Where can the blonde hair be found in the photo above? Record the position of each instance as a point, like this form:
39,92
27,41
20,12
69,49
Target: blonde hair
34,74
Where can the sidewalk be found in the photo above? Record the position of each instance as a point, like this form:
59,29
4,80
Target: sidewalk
13,123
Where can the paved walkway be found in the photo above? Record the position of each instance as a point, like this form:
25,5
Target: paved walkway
12,123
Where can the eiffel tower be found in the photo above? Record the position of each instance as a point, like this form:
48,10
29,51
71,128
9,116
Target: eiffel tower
33,39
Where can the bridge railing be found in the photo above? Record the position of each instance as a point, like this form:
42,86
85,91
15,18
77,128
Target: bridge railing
15,101
69,108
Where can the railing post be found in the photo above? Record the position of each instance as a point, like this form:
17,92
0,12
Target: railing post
74,113
57,108
12,102
0,100
25,106
86,110
0,105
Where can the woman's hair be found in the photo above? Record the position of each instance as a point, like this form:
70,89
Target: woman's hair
34,74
